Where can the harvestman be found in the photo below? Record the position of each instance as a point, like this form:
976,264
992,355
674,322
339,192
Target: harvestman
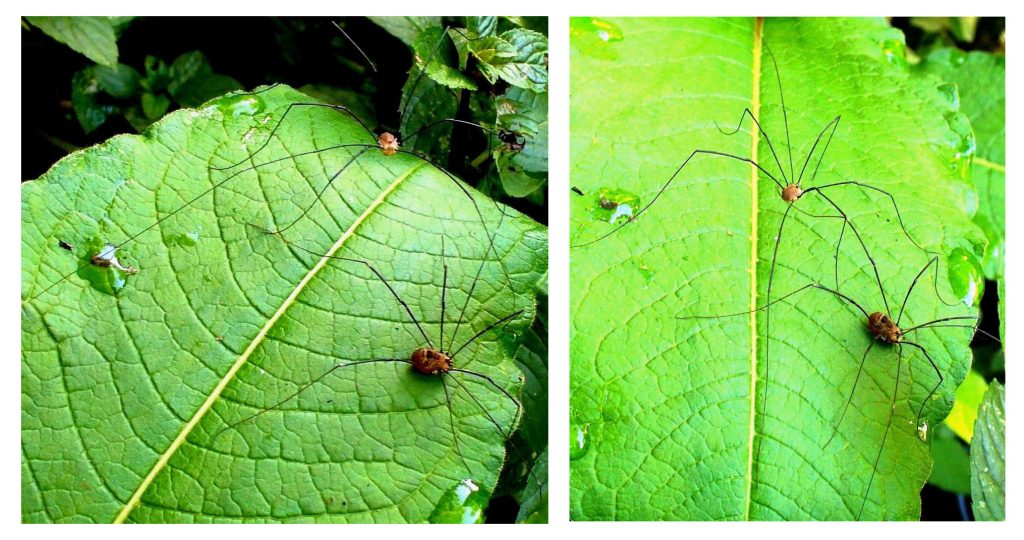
886,331
386,142
428,358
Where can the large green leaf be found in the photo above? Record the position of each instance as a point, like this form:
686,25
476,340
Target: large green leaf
127,377
666,418
988,457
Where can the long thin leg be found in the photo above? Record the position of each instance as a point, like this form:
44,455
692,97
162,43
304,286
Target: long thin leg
840,243
483,222
444,291
320,193
302,389
920,411
892,409
785,115
942,320
871,260
469,295
842,231
419,76
515,421
851,301
899,218
768,333
519,406
833,124
971,326
288,110
181,208
673,177
911,288
485,330
746,112
356,45
373,269
835,427
451,422
441,121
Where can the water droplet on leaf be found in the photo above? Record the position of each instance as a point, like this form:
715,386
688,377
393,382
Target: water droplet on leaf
463,503
241,104
966,276
895,52
579,440
599,28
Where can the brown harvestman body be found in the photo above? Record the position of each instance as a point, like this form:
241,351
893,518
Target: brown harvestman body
429,359
884,331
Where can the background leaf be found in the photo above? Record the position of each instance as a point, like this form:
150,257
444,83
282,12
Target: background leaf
988,457
962,417
406,29
534,508
94,37
115,371
664,406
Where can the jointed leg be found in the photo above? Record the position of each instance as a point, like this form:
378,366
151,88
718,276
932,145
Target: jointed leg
669,182
892,409
835,428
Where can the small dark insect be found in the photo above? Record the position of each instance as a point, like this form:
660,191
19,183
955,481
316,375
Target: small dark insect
577,191
65,245
512,140
884,330
608,204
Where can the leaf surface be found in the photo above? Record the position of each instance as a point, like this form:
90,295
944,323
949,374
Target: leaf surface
128,377
93,37
988,457
668,413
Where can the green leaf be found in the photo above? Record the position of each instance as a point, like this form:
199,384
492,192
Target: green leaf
91,36
980,79
154,106
431,52
519,57
952,470
988,457
423,103
406,29
534,506
524,113
965,409
667,413
483,26
532,357
120,81
125,383
91,114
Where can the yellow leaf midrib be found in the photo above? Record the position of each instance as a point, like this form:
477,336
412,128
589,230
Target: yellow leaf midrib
755,106
256,342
